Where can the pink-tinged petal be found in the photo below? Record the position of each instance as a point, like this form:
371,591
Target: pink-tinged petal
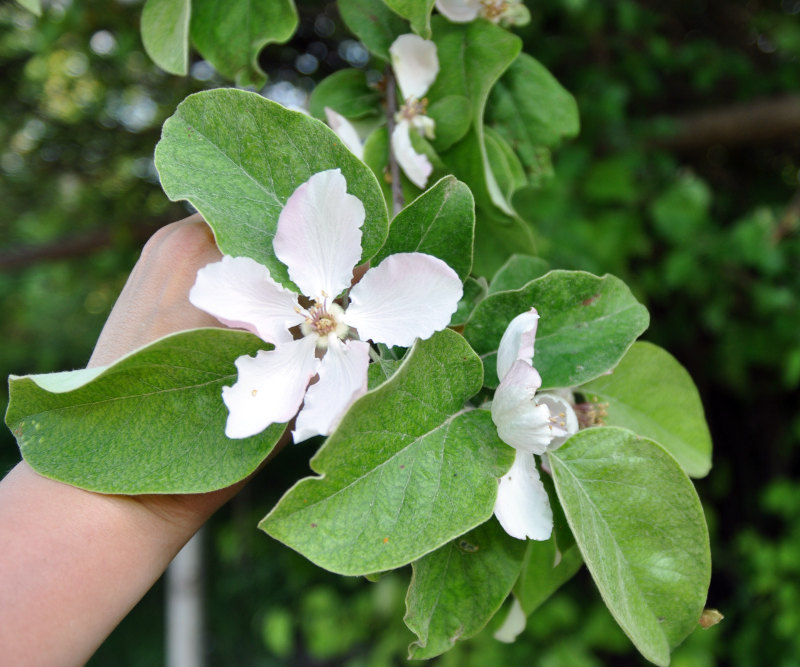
346,132
415,64
459,11
407,296
565,421
342,379
517,342
270,387
522,506
414,165
513,625
240,293
319,235
520,422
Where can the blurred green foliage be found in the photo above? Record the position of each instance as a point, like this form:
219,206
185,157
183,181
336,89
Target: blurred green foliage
708,237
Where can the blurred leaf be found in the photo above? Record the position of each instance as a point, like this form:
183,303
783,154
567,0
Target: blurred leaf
531,109
452,114
33,6
418,12
165,34
587,324
504,163
231,34
641,530
440,222
456,589
347,93
475,291
682,210
544,570
373,23
433,464
206,157
651,394
153,422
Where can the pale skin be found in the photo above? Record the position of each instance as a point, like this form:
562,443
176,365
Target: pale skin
74,563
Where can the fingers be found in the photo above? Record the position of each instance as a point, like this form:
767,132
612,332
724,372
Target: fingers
155,299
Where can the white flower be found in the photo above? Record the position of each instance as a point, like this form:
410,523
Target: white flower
529,425
415,66
318,238
346,132
504,12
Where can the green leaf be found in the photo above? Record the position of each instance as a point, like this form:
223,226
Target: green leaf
347,93
407,469
440,222
456,590
238,157
475,290
231,34
586,325
165,33
453,117
650,393
640,527
531,109
505,165
518,271
373,23
544,570
153,422
418,12
33,6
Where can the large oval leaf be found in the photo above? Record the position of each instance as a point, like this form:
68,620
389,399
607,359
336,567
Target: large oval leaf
640,527
238,157
650,393
407,469
153,422
587,324
165,33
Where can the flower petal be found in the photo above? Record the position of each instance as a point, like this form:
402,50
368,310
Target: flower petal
270,387
342,379
459,11
520,422
407,296
414,165
346,132
517,342
415,64
319,235
565,419
522,506
240,293
513,625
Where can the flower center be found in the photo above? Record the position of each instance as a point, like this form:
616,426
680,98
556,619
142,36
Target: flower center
322,319
494,9
413,108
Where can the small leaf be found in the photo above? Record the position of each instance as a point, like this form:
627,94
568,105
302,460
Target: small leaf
505,165
165,34
406,471
418,12
651,394
238,157
373,23
347,93
587,324
440,222
153,422
640,527
231,34
518,271
531,109
456,589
